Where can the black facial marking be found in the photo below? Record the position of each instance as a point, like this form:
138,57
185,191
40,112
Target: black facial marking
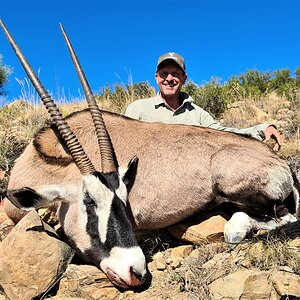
88,201
119,226
119,229
110,180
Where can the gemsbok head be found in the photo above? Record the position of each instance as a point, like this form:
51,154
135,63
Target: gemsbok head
93,213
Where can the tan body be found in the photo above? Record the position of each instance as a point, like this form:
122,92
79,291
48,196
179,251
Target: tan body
182,171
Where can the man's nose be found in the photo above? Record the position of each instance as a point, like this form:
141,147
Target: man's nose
170,77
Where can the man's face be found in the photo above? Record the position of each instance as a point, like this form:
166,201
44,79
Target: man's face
170,79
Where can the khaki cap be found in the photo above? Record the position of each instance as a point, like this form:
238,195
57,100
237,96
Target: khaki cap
178,59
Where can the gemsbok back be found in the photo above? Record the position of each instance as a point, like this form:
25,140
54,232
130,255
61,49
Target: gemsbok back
183,171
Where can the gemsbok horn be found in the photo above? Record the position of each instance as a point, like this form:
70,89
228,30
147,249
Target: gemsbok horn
93,212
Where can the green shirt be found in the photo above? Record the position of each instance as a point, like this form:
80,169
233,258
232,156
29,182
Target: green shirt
155,110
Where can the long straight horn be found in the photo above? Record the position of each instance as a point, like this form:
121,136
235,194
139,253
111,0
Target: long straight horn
108,158
82,161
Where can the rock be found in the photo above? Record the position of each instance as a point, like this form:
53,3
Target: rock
48,215
295,243
158,255
211,229
255,284
160,265
32,258
287,284
232,286
216,260
126,295
151,266
86,282
6,225
195,253
175,263
181,251
63,297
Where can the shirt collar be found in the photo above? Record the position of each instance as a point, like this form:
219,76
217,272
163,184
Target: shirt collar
160,102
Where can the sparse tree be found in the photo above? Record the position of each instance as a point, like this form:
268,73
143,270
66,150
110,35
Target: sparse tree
281,77
4,72
297,73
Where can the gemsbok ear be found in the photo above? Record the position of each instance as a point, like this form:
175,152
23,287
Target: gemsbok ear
24,198
28,199
128,174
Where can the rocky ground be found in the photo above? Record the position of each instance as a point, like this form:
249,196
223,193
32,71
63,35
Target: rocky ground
257,269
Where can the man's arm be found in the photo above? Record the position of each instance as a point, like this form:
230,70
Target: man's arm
260,132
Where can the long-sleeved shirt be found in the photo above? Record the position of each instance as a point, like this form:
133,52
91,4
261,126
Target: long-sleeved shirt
154,109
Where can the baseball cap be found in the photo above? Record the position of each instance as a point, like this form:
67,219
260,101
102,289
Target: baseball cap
178,59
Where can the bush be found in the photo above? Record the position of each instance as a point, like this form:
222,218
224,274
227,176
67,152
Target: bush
4,73
117,98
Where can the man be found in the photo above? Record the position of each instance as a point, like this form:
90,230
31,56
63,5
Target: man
170,105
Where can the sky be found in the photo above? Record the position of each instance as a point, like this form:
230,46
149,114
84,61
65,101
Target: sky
119,41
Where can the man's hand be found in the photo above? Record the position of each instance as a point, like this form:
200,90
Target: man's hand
271,132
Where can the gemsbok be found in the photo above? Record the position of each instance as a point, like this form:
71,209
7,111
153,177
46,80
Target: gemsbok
183,171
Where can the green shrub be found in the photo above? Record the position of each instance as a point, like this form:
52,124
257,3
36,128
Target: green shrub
212,97
4,73
118,97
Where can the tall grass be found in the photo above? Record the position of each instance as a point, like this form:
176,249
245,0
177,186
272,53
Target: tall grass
118,97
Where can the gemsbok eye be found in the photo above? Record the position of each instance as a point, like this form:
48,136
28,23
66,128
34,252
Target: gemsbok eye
89,202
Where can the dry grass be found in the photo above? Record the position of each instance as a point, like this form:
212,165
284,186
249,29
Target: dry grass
275,253
208,262
270,109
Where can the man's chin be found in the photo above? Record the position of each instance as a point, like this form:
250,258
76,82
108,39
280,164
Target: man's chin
170,93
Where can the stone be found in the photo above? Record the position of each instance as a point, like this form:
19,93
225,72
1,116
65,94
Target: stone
295,243
6,225
62,297
181,251
247,284
216,260
86,282
286,283
175,263
229,287
32,259
257,286
160,265
158,255
48,215
211,229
